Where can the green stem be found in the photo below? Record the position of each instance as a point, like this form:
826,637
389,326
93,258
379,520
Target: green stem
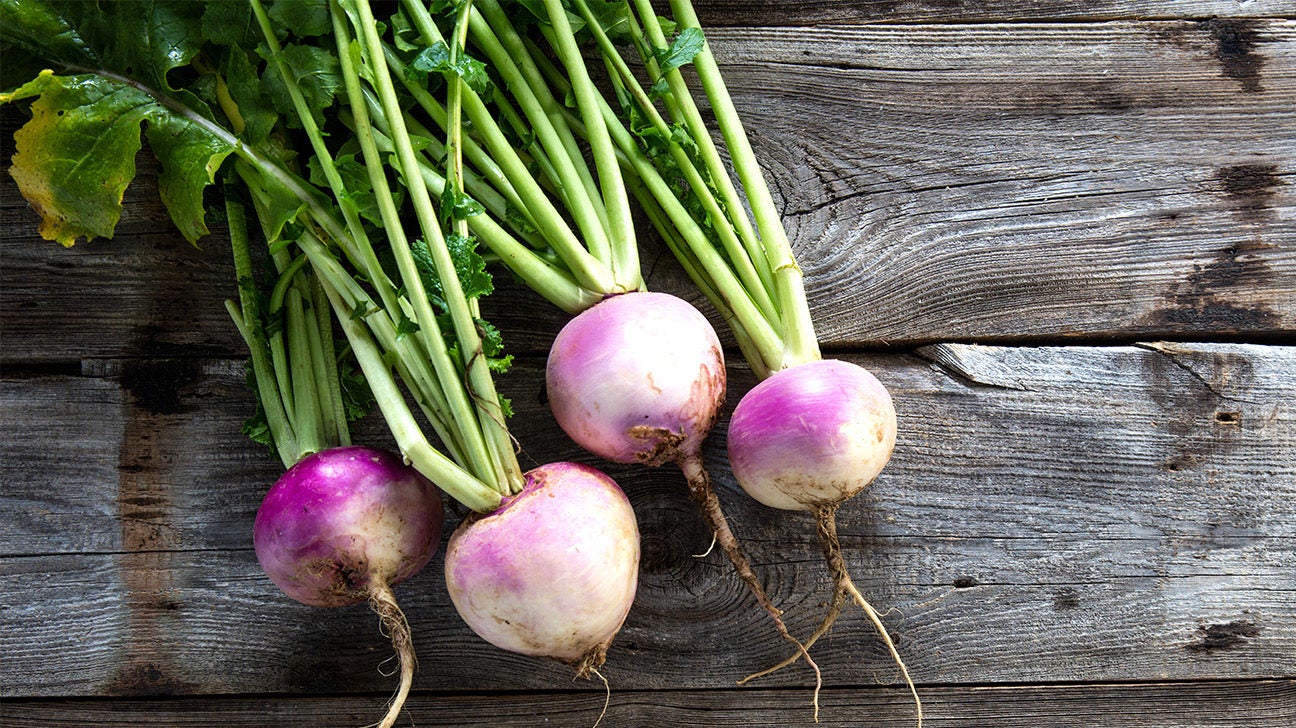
454,127
449,477
416,306
495,34
625,251
719,277
410,363
680,103
726,214
798,328
489,174
502,462
503,43
588,271
497,434
552,282
287,279
247,317
310,428
336,409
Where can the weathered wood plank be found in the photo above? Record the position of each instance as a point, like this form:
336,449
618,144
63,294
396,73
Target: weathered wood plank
944,182
147,292
940,183
1194,432
1051,514
183,623
133,455
1249,704
807,12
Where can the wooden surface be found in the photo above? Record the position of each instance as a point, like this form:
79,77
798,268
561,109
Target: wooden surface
1063,235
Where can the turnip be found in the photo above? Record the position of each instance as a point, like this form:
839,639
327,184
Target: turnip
344,526
809,438
450,375
332,531
566,590
787,460
638,378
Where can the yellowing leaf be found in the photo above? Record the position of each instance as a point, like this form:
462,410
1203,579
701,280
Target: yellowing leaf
76,155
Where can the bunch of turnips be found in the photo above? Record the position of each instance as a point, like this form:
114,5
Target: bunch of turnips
373,172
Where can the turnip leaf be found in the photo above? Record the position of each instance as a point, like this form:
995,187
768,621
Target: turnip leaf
317,74
681,51
230,23
303,17
435,59
76,155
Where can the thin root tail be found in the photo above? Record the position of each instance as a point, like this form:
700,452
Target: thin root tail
834,611
394,625
704,495
826,523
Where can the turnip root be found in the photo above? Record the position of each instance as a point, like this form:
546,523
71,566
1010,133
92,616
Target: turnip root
552,572
809,438
795,444
812,436
639,377
344,526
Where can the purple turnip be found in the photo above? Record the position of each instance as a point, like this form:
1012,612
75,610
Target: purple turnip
344,526
639,377
786,459
809,438
797,446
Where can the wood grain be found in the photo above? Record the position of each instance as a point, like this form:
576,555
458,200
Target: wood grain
852,12
1243,704
942,183
1091,521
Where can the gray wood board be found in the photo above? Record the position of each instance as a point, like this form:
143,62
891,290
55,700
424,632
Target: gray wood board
1051,514
939,183
943,182
1254,704
1226,13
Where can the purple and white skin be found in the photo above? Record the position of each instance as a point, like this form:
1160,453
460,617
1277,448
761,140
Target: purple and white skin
809,438
345,525
812,436
637,378
552,572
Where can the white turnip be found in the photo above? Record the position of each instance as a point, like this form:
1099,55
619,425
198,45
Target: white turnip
808,438
639,377
795,443
552,572
812,436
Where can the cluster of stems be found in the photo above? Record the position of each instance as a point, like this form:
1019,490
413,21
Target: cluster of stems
391,324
